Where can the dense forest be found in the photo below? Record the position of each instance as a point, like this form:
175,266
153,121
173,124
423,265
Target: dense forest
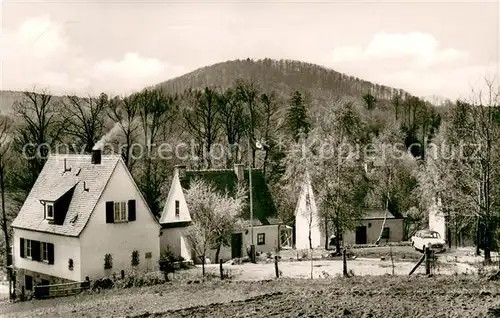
304,115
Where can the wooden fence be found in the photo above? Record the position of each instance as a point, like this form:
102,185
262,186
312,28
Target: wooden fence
58,290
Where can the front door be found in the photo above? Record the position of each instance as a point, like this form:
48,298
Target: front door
236,245
361,235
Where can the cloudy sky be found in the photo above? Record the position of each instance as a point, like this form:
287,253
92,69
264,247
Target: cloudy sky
428,48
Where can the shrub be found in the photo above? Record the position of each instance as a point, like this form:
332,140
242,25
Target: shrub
140,279
170,256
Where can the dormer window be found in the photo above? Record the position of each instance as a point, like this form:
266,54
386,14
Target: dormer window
49,210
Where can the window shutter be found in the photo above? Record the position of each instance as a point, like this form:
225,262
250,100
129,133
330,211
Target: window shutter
21,247
35,250
110,216
50,252
131,210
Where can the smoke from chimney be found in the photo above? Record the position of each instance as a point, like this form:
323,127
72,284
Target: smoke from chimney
107,137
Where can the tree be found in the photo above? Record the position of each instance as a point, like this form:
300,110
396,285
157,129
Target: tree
233,122
390,158
85,119
370,101
214,216
201,120
156,110
336,175
39,131
5,143
297,118
248,93
271,126
475,129
123,112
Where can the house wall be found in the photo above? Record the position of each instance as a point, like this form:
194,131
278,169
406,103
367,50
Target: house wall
175,240
373,228
119,239
271,234
65,247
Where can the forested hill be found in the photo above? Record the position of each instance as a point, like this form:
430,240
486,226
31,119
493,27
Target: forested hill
283,76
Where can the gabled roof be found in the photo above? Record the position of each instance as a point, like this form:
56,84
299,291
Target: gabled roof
264,208
375,214
53,182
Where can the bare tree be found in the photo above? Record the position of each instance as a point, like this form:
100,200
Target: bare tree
5,143
248,93
85,118
41,128
201,120
123,111
155,112
233,122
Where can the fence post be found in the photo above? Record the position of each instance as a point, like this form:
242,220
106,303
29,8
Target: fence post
427,261
344,260
221,270
276,266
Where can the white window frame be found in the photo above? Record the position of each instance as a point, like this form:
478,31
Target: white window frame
263,236
47,205
44,252
27,248
120,211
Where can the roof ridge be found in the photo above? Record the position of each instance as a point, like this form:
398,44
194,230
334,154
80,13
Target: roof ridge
220,169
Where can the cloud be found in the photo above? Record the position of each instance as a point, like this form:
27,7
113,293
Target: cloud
415,62
132,72
40,53
416,48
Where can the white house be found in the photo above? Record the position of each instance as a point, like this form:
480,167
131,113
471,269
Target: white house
83,212
367,232
175,220
307,218
269,233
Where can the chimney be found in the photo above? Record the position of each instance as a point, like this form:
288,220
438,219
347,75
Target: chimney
239,171
96,156
180,169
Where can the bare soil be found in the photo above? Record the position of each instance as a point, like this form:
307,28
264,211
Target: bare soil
369,296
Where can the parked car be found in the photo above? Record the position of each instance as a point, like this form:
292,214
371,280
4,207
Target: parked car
428,238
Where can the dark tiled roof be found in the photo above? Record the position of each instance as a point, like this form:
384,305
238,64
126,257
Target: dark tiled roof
53,182
264,208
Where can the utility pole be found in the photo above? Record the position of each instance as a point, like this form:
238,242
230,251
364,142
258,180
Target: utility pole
478,226
252,246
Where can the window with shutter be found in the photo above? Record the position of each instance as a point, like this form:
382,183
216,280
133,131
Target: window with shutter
120,211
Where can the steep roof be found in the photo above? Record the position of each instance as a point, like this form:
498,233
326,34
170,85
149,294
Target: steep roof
375,214
264,208
53,182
